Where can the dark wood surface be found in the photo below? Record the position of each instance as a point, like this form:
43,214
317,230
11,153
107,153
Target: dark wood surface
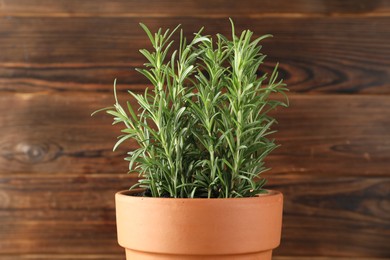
216,8
85,54
58,174
121,256
78,210
337,135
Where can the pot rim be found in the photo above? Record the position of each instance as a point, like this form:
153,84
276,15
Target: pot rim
214,224
127,195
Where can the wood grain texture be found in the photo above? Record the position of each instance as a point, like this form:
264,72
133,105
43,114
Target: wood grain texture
58,173
342,135
50,129
171,8
73,212
332,55
60,214
73,257
334,216
121,256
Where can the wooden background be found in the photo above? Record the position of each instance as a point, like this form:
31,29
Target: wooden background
58,174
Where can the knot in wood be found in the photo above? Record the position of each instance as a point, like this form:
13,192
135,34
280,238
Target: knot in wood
30,152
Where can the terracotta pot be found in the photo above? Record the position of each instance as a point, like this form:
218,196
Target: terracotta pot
165,228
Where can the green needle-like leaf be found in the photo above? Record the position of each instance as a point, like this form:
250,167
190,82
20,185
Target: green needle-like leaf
203,129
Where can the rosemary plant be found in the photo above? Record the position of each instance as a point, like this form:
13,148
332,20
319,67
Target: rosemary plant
203,129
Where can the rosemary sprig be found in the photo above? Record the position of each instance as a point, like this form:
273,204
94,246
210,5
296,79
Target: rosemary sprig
203,130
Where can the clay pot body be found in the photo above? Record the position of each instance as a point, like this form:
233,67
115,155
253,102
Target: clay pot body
166,228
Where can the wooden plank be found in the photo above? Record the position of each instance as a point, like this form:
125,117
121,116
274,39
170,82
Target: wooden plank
324,258
63,214
69,257
332,132
60,192
60,148
59,238
343,217
121,256
156,8
54,133
333,55
334,216
341,154
79,78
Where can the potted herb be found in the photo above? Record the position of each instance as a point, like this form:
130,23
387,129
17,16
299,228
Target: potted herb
203,133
